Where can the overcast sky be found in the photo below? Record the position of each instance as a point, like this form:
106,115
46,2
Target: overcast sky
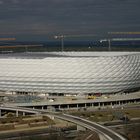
29,18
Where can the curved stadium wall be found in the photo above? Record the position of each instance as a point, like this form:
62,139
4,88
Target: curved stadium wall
70,72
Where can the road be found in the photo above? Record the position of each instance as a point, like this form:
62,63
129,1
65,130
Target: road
107,133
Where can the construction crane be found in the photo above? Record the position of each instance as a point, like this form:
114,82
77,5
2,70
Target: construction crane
18,46
7,39
109,43
120,39
61,37
117,39
124,33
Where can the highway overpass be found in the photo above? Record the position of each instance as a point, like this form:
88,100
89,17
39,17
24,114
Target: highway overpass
104,132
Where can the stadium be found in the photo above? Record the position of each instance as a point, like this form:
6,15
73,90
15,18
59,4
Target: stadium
70,72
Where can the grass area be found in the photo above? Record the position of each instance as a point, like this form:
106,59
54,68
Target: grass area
132,132
11,123
30,127
108,115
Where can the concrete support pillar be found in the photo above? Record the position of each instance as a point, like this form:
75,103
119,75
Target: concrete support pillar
80,128
23,113
85,105
42,108
90,105
77,106
68,106
0,113
16,113
101,137
99,105
103,104
59,107
125,102
119,103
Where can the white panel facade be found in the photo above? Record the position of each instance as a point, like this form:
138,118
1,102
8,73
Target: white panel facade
70,72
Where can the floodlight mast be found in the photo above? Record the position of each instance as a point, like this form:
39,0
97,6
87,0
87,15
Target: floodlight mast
61,37
62,41
109,43
117,39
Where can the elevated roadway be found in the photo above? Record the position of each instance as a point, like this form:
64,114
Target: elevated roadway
104,133
78,102
17,110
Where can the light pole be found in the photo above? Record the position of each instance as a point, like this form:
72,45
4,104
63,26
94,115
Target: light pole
26,48
62,41
109,43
